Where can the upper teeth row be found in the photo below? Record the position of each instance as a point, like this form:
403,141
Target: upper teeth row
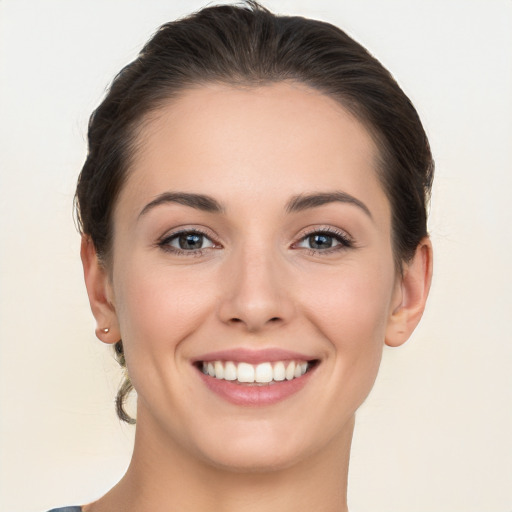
263,372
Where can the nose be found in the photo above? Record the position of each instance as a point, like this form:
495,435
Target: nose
255,294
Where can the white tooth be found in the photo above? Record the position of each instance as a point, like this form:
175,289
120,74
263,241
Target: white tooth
230,371
297,370
279,371
205,368
290,371
219,370
245,372
211,370
263,373
303,368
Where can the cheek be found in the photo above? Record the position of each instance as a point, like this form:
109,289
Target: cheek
352,313
352,305
157,309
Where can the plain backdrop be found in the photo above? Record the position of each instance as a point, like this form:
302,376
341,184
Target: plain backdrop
435,434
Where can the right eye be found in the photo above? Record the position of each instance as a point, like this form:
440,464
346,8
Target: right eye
191,241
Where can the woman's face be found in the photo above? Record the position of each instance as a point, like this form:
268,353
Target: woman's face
252,234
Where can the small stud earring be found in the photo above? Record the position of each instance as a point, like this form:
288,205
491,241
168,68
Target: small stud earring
106,330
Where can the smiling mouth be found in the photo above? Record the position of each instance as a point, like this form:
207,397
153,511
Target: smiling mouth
265,373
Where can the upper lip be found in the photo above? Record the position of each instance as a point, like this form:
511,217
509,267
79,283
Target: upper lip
252,356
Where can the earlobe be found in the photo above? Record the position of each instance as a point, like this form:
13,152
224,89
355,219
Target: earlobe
414,288
99,290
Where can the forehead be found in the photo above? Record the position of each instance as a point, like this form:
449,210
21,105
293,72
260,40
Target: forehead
251,142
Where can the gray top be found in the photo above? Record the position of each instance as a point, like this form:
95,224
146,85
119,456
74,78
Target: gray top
66,509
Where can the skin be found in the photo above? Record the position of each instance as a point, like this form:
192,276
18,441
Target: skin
256,284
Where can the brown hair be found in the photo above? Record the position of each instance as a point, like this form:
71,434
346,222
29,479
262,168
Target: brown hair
249,45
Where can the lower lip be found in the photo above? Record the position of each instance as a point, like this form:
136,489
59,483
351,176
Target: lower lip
256,394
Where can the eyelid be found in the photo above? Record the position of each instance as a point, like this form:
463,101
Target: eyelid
163,241
345,240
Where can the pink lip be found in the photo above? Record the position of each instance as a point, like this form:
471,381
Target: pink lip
239,355
255,395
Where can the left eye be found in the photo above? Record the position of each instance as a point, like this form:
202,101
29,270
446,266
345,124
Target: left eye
322,241
188,241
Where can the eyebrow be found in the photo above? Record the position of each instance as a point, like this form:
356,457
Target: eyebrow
198,201
296,204
306,201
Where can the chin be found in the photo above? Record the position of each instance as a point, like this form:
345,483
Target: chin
255,458
265,448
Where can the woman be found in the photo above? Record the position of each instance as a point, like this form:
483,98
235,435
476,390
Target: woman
253,216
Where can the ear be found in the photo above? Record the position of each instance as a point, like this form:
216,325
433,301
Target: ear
99,289
411,295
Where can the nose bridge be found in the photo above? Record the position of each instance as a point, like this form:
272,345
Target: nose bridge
254,289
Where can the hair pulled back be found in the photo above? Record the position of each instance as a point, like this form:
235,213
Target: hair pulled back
248,45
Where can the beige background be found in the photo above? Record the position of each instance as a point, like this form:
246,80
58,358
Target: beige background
435,434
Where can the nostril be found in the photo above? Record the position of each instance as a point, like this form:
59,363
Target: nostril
273,320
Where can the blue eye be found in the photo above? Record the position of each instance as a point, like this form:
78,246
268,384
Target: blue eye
186,241
323,241
190,241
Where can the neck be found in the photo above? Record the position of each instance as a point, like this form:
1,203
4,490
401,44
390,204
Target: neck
163,478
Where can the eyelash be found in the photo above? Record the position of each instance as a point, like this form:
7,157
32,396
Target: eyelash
343,239
165,242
